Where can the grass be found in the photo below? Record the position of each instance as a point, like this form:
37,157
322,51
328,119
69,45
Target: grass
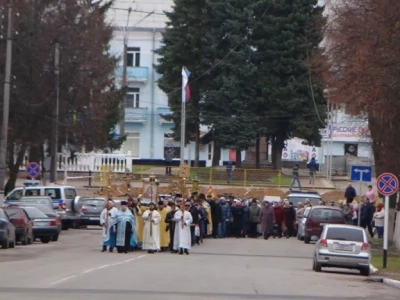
393,263
139,168
284,180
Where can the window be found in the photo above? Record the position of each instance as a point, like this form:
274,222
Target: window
70,193
132,143
345,234
133,57
53,193
132,98
170,143
34,213
327,214
32,192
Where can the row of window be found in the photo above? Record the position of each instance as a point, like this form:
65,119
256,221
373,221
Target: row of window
132,143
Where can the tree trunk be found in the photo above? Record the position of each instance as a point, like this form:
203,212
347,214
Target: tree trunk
277,147
257,152
14,168
238,158
197,149
217,155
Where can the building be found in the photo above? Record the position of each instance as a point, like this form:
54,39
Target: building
148,134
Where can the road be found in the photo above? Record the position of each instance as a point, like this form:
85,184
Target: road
74,268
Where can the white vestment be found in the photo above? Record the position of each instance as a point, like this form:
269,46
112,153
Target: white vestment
107,217
151,230
182,236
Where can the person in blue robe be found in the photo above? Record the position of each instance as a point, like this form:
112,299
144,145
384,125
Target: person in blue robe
123,230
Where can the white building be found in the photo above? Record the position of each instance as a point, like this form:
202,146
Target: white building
148,134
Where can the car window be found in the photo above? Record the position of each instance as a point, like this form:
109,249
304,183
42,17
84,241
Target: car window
53,193
43,208
327,214
43,201
344,234
93,202
34,213
16,195
70,193
32,192
13,213
296,200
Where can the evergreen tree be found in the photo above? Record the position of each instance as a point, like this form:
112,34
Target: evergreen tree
289,94
185,44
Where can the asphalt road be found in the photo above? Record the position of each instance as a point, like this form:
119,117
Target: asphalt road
74,268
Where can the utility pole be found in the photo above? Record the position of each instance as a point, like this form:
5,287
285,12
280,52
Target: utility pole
6,102
123,85
54,136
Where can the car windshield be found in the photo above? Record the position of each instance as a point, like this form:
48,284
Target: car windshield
43,208
93,202
327,214
13,213
44,201
295,200
34,213
345,234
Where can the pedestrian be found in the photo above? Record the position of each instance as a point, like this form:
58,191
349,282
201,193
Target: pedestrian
107,217
313,167
290,219
151,233
366,216
171,225
182,238
229,168
216,217
347,212
299,214
371,195
141,208
164,236
168,156
279,218
332,203
254,215
206,204
195,221
354,218
238,218
200,215
379,218
123,234
350,193
225,217
295,176
266,220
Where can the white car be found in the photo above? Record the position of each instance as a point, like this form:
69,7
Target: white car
342,246
297,197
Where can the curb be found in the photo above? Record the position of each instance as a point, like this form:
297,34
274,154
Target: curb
391,282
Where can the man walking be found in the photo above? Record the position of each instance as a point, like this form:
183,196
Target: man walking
171,224
229,168
107,217
164,237
295,176
151,234
225,217
168,156
350,193
182,239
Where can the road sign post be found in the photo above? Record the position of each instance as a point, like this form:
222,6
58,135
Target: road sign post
360,174
387,184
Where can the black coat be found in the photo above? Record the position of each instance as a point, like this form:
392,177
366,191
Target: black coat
367,214
238,215
195,215
350,193
170,220
215,212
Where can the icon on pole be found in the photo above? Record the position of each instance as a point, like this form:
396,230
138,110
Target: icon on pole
33,170
387,184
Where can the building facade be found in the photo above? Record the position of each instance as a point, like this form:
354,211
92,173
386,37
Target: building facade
140,24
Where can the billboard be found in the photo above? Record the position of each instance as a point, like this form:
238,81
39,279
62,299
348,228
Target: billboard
346,132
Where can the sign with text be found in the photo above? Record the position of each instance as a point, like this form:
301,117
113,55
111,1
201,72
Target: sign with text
346,132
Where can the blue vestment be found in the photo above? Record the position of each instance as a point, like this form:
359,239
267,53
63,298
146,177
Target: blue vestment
118,238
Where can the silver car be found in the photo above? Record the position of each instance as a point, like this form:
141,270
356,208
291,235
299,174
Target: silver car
342,246
302,223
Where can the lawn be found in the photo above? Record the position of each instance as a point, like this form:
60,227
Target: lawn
284,180
393,263
140,168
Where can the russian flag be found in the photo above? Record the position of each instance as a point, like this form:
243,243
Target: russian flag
185,85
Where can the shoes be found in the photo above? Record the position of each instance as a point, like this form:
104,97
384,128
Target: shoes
186,251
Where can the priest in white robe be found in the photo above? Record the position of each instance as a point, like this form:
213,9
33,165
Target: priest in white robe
182,236
151,231
107,217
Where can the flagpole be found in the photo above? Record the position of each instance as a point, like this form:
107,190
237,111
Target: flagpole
183,128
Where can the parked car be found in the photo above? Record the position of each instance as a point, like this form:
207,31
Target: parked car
91,209
7,231
63,196
318,217
44,200
51,213
43,227
297,196
22,224
302,224
343,246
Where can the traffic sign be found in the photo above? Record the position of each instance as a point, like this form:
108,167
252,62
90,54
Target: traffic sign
361,173
387,183
33,169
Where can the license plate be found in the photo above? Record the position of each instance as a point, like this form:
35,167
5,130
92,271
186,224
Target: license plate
94,219
344,247
41,223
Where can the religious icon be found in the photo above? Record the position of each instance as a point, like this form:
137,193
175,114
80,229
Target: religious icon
149,193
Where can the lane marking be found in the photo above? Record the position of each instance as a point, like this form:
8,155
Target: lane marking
96,269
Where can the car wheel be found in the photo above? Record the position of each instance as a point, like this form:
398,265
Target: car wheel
24,240
307,239
45,240
5,244
317,266
298,237
30,240
364,271
12,244
65,226
54,238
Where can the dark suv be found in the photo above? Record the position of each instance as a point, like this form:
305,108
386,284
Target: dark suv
22,224
318,217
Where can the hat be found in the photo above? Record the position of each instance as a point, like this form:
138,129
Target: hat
178,195
160,202
171,203
254,200
124,202
187,203
202,196
222,199
152,203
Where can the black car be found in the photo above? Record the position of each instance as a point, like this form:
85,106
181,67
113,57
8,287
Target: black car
91,209
43,227
7,231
